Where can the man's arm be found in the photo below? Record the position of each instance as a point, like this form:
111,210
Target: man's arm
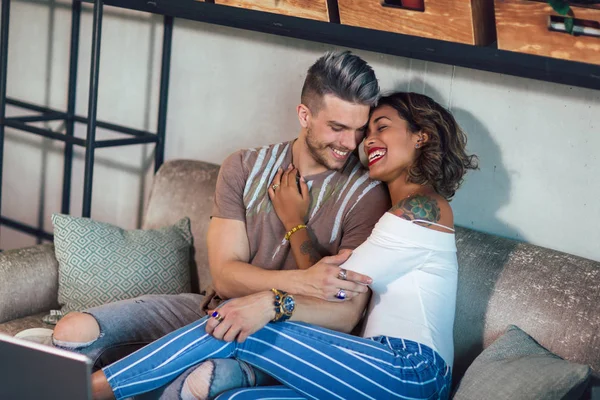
228,256
233,276
364,214
341,317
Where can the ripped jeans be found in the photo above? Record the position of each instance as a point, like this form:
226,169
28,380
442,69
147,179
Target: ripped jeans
129,325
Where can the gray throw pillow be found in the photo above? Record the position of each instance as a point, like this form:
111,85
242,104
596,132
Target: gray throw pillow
516,367
100,263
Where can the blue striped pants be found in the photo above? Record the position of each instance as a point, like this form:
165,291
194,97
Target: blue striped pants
312,362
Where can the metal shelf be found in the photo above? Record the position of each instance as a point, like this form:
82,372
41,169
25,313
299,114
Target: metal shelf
475,57
90,143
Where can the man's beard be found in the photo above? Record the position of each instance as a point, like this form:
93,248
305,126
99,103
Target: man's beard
316,150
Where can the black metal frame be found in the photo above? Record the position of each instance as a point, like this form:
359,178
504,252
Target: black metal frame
476,57
70,118
462,55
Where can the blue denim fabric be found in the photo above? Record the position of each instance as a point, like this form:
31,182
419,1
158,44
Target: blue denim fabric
128,325
315,362
228,374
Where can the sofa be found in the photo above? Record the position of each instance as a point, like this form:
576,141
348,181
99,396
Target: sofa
553,296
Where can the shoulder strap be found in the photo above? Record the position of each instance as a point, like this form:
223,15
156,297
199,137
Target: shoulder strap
431,223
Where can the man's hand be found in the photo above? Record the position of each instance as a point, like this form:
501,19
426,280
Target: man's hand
290,204
322,280
228,254
242,317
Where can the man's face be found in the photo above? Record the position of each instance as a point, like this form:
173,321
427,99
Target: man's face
335,131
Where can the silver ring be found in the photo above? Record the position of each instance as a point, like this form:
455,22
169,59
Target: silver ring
274,186
343,274
341,294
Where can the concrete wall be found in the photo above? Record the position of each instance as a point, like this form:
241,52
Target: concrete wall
537,141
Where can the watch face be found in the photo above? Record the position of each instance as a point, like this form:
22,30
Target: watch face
288,304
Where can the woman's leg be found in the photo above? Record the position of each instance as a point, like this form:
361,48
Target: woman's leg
266,392
316,362
323,364
215,376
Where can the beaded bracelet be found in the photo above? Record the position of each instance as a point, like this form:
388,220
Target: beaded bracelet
292,231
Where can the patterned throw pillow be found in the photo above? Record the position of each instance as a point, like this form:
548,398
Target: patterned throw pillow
100,263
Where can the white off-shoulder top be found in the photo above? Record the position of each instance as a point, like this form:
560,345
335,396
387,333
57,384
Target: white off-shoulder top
414,271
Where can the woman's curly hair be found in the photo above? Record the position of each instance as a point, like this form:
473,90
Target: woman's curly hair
443,160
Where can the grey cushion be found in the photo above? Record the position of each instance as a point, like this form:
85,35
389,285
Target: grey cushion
100,263
28,281
17,325
516,367
185,188
552,296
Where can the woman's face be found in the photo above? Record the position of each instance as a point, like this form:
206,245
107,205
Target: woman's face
389,145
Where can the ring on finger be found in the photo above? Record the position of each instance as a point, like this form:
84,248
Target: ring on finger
341,294
274,186
343,274
217,316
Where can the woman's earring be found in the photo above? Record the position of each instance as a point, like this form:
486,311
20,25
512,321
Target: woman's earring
418,145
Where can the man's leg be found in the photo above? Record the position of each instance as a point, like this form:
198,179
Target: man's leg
112,331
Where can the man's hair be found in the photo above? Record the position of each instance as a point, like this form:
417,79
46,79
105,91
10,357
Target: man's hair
342,74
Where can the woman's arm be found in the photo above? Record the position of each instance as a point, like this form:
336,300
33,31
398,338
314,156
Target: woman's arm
303,249
291,205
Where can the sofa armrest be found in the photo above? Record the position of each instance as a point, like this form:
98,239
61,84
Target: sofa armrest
28,281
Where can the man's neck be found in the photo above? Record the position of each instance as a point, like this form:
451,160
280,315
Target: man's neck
303,159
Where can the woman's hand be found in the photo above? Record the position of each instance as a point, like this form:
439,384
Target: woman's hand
291,204
324,280
241,317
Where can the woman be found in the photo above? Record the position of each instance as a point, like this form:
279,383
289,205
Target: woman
406,351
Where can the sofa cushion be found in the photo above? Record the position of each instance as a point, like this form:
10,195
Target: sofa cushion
100,263
185,188
516,367
17,325
552,296
28,281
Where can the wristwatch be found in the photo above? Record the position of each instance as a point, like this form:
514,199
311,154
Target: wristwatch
284,305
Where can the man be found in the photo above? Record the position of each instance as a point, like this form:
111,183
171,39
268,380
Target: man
246,251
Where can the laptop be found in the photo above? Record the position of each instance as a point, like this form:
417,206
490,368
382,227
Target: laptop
32,371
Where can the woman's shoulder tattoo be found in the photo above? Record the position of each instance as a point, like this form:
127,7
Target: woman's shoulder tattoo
418,207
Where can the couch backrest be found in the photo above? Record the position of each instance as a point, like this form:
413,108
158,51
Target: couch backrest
554,297
185,188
